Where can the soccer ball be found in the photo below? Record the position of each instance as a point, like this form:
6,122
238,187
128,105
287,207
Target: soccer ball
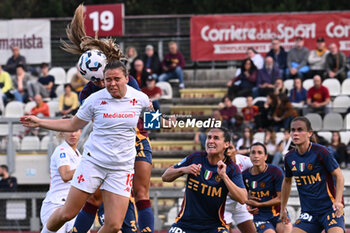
91,65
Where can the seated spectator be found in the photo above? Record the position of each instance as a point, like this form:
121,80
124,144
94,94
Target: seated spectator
279,56
244,143
131,55
41,108
151,61
281,148
228,112
48,81
270,143
336,63
173,65
243,84
317,59
7,183
238,127
339,148
153,92
78,82
256,58
279,87
266,78
68,102
317,98
139,72
265,119
15,60
284,113
5,84
297,59
298,93
249,112
20,83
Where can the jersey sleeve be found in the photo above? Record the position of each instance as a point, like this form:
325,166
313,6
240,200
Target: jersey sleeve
185,162
329,161
61,157
278,179
86,111
236,176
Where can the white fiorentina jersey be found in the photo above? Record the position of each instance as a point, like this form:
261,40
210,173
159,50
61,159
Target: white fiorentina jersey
63,155
111,143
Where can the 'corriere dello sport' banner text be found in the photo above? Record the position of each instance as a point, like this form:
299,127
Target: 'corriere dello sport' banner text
215,37
32,36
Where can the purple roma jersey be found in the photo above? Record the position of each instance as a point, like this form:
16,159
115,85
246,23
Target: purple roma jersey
205,196
265,185
313,178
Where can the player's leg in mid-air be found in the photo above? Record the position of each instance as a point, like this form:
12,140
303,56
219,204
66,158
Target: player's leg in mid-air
142,176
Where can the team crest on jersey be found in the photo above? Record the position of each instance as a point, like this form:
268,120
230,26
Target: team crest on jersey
297,221
62,155
217,178
293,162
208,174
262,184
254,184
309,166
301,167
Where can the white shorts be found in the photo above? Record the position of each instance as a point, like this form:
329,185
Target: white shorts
236,212
89,176
47,209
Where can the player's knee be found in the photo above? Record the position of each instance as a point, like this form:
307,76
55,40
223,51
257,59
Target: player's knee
67,216
141,192
112,227
95,200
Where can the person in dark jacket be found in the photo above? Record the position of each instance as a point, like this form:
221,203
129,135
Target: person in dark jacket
151,62
279,55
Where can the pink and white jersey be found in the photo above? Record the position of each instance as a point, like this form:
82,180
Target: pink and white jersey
62,156
111,143
243,162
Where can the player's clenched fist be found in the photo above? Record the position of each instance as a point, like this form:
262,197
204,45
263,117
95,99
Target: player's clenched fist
194,169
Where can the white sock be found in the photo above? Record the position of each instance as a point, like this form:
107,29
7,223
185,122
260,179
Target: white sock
45,230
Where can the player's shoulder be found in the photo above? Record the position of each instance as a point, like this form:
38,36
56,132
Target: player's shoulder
232,166
319,148
197,155
134,92
274,170
61,151
291,153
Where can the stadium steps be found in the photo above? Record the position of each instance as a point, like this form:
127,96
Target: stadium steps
173,145
189,101
172,135
203,93
157,182
206,83
193,110
174,154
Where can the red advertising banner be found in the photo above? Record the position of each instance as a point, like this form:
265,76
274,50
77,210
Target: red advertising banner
215,37
106,20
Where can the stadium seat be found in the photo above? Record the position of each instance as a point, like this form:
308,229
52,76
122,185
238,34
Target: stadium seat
341,103
347,121
16,210
70,73
53,107
333,86
18,129
345,87
326,135
308,83
4,129
59,73
333,122
260,98
292,213
240,102
28,107
279,136
289,84
14,109
59,90
316,121
45,141
259,136
345,137
167,91
30,143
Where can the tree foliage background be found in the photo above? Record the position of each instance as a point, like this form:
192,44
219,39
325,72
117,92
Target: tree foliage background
65,8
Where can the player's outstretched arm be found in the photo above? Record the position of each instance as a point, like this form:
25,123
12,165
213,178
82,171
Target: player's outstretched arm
285,192
64,125
235,192
338,205
172,173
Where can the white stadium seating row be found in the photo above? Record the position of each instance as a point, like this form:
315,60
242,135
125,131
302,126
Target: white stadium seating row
30,143
61,77
17,109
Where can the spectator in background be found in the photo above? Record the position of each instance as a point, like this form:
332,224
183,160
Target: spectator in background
15,60
78,82
265,119
238,127
317,98
279,55
284,113
339,148
173,65
20,82
139,72
297,59
131,54
257,59
152,91
48,81
281,148
151,61
5,84
41,108
243,84
336,63
7,183
279,87
266,78
298,93
249,112
244,143
317,59
68,102
228,112
270,143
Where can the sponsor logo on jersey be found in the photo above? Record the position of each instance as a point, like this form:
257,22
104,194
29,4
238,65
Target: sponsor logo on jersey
306,180
62,155
294,168
103,102
126,114
207,174
208,190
